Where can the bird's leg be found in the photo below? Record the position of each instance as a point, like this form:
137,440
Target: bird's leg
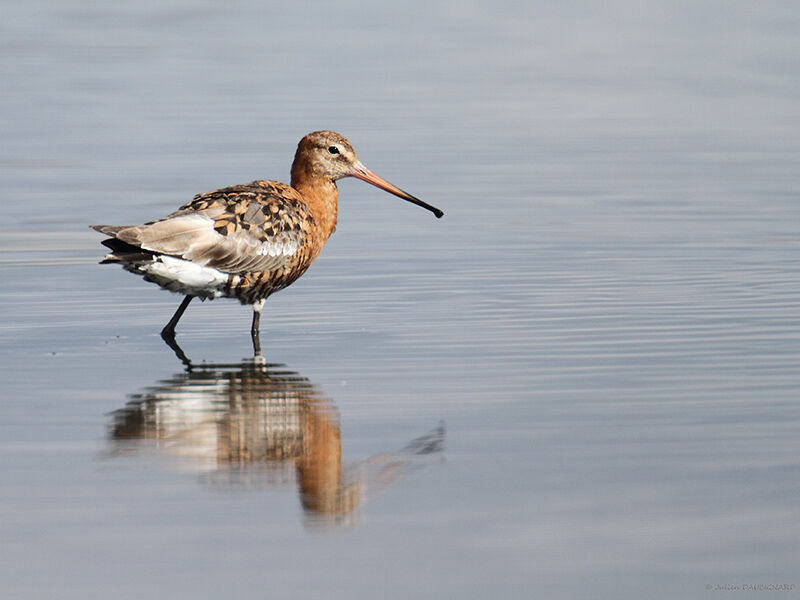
169,329
257,306
168,333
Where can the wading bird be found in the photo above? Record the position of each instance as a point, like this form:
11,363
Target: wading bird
246,241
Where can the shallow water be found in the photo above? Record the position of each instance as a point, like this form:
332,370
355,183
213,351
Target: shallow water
581,382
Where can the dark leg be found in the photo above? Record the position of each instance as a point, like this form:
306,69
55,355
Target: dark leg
254,329
169,330
168,333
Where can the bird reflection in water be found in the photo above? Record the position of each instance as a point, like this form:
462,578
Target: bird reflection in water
251,425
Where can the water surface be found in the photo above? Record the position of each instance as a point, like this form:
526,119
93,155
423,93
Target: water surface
581,382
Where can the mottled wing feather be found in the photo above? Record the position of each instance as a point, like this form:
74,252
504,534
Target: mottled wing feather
246,228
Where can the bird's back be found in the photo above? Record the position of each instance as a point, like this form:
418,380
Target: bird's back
244,241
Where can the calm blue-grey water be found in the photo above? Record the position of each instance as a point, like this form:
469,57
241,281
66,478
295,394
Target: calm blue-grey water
582,382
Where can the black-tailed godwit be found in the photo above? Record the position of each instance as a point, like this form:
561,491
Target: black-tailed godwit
246,241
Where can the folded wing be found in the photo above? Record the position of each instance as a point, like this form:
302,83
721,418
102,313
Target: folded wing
254,227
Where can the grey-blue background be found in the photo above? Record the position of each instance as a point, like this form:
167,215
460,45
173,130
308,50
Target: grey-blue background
607,319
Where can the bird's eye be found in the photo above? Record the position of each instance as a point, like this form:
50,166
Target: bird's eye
333,150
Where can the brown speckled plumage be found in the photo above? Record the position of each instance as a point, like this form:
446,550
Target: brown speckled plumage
266,212
246,241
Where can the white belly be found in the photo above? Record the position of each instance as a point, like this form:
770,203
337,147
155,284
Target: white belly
182,276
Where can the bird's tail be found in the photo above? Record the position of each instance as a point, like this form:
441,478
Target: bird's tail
111,230
121,251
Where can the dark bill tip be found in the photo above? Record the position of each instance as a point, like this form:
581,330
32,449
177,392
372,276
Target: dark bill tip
361,172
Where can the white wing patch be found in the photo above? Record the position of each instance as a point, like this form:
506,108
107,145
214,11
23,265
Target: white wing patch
270,248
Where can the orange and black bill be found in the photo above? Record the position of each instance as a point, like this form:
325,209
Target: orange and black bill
361,172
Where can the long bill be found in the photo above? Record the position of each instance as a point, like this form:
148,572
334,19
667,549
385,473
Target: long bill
361,172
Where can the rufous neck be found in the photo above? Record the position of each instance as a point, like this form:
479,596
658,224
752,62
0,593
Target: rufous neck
320,195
